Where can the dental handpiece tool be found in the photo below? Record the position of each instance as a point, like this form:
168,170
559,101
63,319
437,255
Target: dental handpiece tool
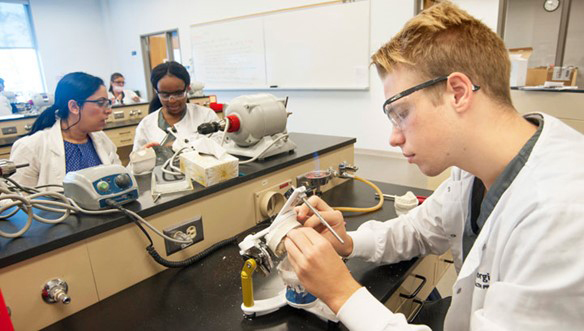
323,221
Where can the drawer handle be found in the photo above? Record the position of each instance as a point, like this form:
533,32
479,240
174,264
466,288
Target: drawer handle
448,261
125,140
127,132
417,311
413,295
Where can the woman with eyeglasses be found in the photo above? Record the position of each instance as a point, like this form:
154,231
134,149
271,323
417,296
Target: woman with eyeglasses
171,116
117,94
68,135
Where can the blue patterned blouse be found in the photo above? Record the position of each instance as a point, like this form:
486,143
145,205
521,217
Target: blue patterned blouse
80,156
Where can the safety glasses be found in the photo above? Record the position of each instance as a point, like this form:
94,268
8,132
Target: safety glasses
176,95
102,102
396,114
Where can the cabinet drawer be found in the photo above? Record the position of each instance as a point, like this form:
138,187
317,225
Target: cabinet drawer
5,152
416,287
425,269
123,136
16,128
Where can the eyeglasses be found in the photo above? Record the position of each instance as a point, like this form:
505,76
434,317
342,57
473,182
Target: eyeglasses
397,115
119,82
176,95
102,102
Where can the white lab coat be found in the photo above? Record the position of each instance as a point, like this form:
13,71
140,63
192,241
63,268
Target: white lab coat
526,268
128,97
5,106
148,130
44,151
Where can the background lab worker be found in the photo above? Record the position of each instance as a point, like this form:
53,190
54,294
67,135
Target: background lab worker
117,94
170,110
5,106
512,212
67,136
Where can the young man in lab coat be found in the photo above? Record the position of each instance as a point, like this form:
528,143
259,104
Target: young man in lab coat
515,191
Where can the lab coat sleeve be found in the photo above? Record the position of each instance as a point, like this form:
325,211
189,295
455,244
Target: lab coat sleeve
112,150
131,94
140,136
541,285
419,232
21,153
363,312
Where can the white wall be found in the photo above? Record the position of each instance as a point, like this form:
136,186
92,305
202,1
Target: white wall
71,37
99,37
485,10
349,113
529,25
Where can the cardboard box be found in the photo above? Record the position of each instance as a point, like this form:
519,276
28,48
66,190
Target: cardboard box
208,170
519,58
566,75
539,75
536,76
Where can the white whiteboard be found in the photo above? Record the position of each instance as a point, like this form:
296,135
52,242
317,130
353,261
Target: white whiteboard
324,47
230,54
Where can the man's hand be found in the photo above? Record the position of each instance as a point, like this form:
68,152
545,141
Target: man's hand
334,219
319,268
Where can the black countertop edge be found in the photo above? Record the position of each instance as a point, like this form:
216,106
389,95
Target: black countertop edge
520,88
118,220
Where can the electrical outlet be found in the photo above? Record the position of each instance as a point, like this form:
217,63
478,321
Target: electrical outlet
192,228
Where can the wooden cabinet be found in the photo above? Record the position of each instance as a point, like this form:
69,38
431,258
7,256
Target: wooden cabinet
122,137
5,152
443,262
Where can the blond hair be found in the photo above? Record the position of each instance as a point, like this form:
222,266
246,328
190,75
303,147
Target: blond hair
444,39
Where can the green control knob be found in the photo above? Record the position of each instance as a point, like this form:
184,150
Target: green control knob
102,186
123,181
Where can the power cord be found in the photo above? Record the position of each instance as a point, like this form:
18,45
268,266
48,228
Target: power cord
61,204
174,170
66,206
161,260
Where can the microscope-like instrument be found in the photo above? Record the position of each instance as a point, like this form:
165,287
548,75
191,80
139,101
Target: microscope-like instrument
254,126
263,249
